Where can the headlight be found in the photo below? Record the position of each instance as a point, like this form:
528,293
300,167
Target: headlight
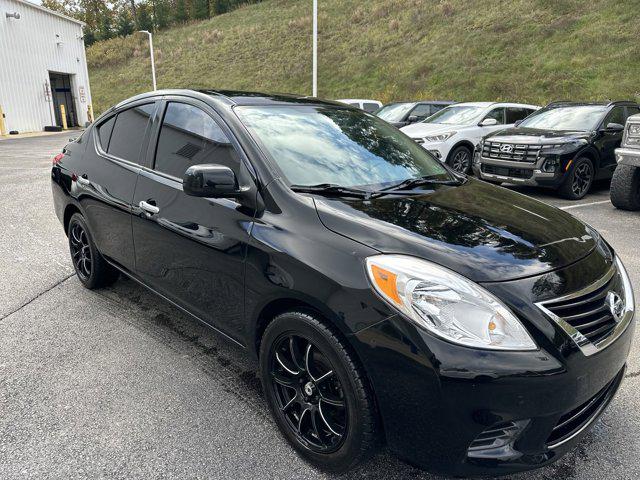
632,135
447,304
439,138
561,148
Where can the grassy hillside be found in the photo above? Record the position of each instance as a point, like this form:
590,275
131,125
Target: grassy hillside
528,50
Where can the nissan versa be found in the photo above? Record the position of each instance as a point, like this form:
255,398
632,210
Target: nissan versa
387,298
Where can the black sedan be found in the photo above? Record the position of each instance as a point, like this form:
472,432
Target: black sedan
386,298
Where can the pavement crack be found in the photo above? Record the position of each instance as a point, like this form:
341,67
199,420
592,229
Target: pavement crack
17,309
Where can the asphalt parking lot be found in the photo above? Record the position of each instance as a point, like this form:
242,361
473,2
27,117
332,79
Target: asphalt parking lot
118,384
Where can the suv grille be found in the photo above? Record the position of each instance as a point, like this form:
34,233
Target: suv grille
511,152
572,423
589,314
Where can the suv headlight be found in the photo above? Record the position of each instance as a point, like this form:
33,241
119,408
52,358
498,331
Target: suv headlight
447,304
632,134
440,137
560,148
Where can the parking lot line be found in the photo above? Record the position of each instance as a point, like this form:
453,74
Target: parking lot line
569,207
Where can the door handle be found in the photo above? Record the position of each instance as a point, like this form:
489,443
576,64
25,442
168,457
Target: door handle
148,208
83,180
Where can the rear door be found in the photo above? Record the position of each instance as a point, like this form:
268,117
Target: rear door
192,250
107,176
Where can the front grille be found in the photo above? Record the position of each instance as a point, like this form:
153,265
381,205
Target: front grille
524,173
572,423
589,313
512,152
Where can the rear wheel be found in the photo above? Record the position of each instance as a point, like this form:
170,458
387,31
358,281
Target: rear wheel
578,180
625,187
460,159
317,394
91,268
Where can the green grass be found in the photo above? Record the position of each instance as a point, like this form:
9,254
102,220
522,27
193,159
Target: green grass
525,50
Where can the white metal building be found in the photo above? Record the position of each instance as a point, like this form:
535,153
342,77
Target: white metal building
42,67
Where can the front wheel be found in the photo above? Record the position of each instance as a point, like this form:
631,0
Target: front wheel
460,159
578,180
317,393
625,187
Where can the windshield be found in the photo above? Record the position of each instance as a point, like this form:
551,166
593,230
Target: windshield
457,115
579,117
394,112
320,144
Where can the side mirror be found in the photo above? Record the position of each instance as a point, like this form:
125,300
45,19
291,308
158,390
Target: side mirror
614,127
488,122
412,119
212,181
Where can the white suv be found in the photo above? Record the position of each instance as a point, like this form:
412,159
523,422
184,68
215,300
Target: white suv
452,133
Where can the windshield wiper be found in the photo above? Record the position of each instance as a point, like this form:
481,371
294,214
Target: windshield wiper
332,189
410,183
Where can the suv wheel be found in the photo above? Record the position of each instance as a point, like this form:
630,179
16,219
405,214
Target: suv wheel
625,187
91,268
317,393
579,180
460,159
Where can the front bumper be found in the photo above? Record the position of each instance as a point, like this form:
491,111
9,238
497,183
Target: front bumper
436,398
521,173
440,150
628,156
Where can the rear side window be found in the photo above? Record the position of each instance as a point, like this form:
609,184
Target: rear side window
516,113
104,132
370,107
631,111
128,132
189,136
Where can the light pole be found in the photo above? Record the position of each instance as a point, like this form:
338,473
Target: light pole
153,63
315,49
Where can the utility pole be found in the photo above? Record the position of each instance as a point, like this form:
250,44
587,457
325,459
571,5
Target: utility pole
153,63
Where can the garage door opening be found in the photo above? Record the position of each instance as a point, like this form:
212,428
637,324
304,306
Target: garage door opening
62,95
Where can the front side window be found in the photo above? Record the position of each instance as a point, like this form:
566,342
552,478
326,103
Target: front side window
394,112
457,115
324,144
189,136
616,115
421,111
129,131
498,114
575,117
517,113
370,107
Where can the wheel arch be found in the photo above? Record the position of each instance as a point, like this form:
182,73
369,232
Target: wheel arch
69,211
461,143
592,154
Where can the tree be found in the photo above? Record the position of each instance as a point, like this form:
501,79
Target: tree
144,21
200,9
124,22
181,14
105,27
162,14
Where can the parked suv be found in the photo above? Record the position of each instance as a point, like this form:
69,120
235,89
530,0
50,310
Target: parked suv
452,133
625,185
363,104
386,298
400,114
565,146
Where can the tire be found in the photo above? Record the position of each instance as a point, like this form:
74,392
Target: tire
579,180
625,188
333,438
460,159
91,268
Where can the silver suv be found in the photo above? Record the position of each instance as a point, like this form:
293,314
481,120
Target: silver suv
625,185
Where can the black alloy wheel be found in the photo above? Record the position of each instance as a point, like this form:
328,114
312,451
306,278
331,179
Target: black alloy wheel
308,393
317,393
80,251
460,160
92,269
578,180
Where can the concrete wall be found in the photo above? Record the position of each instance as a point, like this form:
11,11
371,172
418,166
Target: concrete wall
29,50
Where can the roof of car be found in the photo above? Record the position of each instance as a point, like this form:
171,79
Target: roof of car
607,103
490,104
363,100
431,102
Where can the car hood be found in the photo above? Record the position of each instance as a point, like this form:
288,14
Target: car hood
536,136
483,232
418,130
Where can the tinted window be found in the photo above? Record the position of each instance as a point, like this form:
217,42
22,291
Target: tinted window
421,111
632,111
189,137
370,107
497,113
615,116
319,144
104,132
129,131
516,113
